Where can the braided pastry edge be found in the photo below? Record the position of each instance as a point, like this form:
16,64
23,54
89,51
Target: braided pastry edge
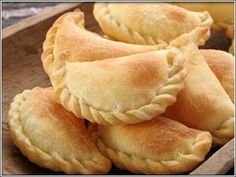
104,16
181,163
50,160
165,97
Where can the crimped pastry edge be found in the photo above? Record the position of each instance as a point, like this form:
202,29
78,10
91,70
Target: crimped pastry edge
181,164
224,132
113,23
48,45
53,161
81,109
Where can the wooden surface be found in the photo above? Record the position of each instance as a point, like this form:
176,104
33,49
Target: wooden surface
219,163
31,21
15,12
22,69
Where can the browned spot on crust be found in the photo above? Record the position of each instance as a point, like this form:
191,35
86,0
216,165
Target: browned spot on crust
164,124
176,13
157,136
161,135
45,106
142,70
145,72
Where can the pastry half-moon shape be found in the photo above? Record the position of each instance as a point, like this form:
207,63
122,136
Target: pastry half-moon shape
222,64
221,12
52,137
157,146
118,90
68,35
203,103
147,23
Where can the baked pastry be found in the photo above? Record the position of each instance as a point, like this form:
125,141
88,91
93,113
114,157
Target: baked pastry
222,64
111,91
203,103
149,23
68,35
51,137
157,146
120,90
231,49
221,12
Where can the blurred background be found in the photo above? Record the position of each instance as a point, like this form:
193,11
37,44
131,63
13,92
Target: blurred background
14,12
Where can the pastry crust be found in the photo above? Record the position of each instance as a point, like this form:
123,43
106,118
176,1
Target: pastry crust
221,12
121,90
153,23
51,137
203,103
158,146
222,64
68,36
231,49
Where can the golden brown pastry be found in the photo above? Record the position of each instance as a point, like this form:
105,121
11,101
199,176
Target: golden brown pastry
231,49
203,103
157,146
221,12
222,64
120,90
68,36
51,137
147,23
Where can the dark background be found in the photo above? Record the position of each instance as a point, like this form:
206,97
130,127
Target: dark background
16,8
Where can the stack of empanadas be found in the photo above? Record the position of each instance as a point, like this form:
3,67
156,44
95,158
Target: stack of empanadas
152,109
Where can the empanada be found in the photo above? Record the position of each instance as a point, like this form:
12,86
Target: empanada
222,64
221,12
147,23
68,35
157,146
203,103
120,90
52,137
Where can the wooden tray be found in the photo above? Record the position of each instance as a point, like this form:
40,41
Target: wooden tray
22,69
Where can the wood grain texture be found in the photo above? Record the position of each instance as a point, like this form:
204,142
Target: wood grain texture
28,22
22,69
219,163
